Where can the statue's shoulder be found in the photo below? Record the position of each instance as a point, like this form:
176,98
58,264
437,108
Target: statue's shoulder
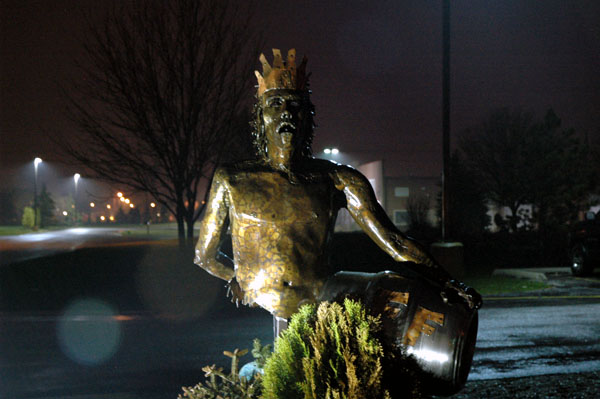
344,175
238,169
240,166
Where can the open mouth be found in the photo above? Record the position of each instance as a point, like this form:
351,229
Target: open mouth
286,131
286,127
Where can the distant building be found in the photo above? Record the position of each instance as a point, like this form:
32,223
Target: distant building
396,194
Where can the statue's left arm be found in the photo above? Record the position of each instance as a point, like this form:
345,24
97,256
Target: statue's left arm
370,216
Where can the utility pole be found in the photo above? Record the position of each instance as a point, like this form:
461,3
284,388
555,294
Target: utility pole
445,114
36,162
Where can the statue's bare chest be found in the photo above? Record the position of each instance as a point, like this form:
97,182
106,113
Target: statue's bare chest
270,197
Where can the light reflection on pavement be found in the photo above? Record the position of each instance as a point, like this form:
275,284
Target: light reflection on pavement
33,245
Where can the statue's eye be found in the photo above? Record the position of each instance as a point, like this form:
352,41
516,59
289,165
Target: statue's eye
294,104
275,102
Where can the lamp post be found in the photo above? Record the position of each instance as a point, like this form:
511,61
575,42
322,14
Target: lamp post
36,162
76,178
449,254
445,114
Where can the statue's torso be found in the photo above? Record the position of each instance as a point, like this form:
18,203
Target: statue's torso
280,233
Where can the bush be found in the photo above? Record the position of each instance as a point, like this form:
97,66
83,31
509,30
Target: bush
331,352
28,219
226,386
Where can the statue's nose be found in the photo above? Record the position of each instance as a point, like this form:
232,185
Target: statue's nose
285,115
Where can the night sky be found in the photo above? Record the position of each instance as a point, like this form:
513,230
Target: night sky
376,71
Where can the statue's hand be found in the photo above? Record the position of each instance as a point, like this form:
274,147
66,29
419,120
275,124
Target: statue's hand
456,289
236,292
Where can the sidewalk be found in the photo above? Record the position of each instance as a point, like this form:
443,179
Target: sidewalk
537,274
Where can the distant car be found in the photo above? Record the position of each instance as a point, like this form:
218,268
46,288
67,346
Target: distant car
584,244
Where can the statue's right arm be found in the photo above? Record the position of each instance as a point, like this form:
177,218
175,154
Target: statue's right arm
212,226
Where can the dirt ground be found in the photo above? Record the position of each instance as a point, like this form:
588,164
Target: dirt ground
571,386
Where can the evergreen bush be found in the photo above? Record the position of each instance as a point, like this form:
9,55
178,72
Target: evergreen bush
28,219
327,353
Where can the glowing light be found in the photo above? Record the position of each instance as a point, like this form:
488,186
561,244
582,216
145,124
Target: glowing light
327,150
120,194
122,199
65,213
111,218
335,151
103,218
428,355
37,161
131,205
259,281
79,230
108,206
266,300
158,214
152,205
127,201
92,205
76,177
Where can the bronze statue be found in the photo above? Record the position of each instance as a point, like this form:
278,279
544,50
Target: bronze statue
282,208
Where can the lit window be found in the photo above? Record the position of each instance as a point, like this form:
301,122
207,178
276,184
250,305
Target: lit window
401,191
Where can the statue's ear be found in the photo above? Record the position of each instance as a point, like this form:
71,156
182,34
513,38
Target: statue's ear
259,115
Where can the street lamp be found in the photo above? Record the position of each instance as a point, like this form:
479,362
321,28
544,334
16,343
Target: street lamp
76,178
36,162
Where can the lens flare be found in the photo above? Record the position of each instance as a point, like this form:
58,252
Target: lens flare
89,332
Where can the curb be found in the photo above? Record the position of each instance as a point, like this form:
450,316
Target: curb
536,274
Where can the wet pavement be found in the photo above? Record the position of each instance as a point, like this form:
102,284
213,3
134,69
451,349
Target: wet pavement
526,340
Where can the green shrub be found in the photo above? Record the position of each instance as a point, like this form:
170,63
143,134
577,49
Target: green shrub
328,353
28,219
225,386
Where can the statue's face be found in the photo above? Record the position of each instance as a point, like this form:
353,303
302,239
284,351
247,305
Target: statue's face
283,118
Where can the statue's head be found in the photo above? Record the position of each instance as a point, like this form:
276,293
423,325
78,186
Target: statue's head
283,114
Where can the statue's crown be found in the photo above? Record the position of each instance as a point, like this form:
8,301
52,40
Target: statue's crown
283,75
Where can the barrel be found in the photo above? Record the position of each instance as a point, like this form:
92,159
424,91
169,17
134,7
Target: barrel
438,335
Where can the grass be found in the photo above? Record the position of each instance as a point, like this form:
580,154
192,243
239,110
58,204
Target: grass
495,285
166,230
13,230
18,230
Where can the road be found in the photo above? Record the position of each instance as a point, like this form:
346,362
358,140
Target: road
101,343
528,337
91,350
76,355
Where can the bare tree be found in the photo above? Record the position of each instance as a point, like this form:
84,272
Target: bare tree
417,208
517,159
165,90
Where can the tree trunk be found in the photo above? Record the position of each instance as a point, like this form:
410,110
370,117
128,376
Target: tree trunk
180,228
514,219
190,229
